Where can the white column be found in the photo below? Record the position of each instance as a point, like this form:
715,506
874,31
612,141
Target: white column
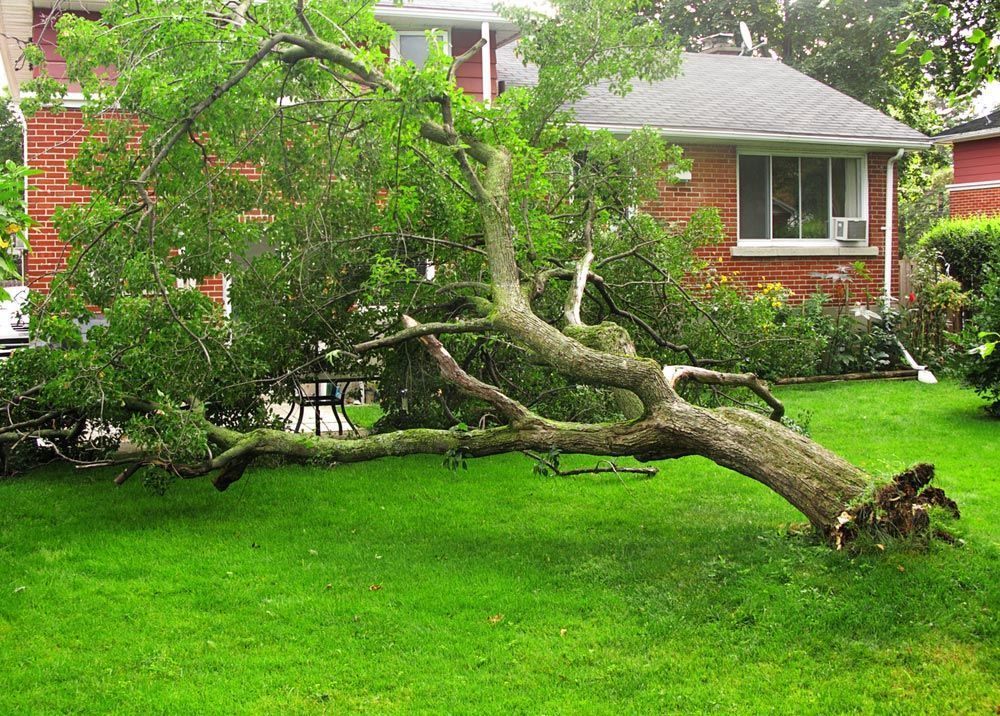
487,68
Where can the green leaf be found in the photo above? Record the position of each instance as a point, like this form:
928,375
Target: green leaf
927,57
943,12
905,44
977,36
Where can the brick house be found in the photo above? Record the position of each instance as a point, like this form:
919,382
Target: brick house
800,172
975,188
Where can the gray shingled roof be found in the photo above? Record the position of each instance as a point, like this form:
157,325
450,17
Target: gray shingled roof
985,124
723,95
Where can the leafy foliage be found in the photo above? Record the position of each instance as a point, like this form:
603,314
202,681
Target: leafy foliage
325,211
955,41
11,133
980,366
14,219
965,247
923,195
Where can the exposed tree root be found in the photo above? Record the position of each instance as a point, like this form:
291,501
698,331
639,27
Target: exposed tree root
898,509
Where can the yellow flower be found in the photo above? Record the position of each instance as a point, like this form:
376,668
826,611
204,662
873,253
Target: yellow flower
4,243
13,228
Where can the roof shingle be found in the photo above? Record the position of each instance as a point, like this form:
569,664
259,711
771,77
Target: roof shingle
723,94
985,123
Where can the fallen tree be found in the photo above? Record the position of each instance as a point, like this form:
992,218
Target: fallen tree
357,170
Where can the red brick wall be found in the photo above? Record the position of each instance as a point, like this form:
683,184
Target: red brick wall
969,202
713,183
52,139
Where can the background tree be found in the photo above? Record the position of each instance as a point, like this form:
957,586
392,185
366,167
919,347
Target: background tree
847,44
955,41
11,134
278,145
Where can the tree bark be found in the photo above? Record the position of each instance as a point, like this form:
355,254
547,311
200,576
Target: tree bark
828,490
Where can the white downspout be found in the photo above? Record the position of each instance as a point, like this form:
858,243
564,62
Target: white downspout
890,198
923,375
487,68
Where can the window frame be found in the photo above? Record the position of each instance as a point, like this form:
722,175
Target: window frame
394,47
829,241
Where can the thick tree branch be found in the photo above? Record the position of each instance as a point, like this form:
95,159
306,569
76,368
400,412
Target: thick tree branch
574,299
465,57
451,371
678,373
419,330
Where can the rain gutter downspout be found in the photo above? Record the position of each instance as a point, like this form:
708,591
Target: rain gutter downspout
890,198
923,375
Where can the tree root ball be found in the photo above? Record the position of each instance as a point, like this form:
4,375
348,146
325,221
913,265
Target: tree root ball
899,509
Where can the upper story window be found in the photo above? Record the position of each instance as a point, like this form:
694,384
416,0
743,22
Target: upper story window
414,45
797,198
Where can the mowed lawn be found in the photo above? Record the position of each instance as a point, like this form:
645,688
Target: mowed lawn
399,586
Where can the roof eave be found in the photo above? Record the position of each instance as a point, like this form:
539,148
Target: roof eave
733,136
409,12
989,133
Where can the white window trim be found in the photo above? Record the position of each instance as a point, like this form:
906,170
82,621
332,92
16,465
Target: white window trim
443,33
970,185
803,243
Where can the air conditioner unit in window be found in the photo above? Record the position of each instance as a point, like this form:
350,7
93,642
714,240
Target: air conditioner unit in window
850,230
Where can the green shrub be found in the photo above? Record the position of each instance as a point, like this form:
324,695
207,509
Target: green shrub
980,366
965,247
762,330
933,311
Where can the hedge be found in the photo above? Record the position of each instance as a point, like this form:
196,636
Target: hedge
966,247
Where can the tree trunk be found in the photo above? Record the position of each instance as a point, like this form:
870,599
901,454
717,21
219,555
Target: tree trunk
838,498
834,495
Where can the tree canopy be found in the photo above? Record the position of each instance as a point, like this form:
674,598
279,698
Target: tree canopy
276,144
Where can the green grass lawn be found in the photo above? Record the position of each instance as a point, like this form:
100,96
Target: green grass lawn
398,586
364,416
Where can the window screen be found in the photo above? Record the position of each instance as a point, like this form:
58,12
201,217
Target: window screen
755,175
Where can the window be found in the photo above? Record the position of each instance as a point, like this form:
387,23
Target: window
795,198
415,46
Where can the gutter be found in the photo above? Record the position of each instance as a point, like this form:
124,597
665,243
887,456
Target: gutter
679,133
946,139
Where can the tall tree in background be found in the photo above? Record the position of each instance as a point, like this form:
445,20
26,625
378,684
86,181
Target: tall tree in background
957,42
847,44
11,134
